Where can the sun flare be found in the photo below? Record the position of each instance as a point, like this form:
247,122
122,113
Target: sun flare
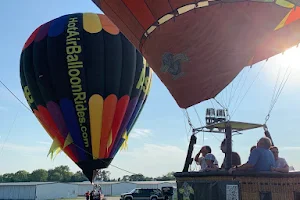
290,57
286,64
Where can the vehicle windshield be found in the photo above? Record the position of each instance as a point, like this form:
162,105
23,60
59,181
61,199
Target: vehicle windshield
132,191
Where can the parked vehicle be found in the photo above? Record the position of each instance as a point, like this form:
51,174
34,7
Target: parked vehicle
138,193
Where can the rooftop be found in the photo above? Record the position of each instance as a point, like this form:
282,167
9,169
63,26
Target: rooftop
132,182
25,183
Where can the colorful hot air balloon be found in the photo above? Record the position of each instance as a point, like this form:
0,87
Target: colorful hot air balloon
86,84
197,47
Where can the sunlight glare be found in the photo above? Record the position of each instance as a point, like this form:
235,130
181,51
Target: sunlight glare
290,57
286,63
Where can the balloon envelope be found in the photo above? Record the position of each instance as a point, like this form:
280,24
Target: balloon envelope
86,84
197,47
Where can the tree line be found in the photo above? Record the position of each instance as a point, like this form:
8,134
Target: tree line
63,174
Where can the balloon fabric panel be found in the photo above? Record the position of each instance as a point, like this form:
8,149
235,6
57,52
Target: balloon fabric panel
198,47
83,79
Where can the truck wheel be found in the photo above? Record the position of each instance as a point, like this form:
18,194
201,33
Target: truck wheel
153,198
128,198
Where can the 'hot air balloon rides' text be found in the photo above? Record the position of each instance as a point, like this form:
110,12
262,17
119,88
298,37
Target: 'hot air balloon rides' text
86,84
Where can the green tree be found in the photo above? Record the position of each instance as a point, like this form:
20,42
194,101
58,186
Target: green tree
21,176
8,177
39,175
79,177
167,177
61,173
103,176
54,175
137,177
126,178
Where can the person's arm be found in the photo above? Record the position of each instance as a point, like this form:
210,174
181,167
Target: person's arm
238,158
253,158
245,166
197,156
284,169
212,166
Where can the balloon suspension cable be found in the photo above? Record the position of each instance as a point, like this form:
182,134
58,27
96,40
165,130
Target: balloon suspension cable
277,91
267,119
189,119
15,96
267,134
96,174
226,109
50,127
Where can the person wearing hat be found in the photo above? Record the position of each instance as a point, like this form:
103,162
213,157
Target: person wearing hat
211,162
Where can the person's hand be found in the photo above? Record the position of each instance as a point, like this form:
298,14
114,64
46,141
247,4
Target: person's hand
273,169
210,169
231,170
265,127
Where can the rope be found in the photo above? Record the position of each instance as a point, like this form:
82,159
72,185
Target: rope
280,88
242,86
238,83
15,96
5,140
189,119
52,129
249,88
201,124
220,104
186,130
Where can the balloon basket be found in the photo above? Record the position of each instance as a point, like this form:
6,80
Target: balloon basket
238,186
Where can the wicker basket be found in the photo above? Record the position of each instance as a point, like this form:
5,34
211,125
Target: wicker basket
252,185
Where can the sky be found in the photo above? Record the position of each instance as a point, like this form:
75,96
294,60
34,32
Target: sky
159,141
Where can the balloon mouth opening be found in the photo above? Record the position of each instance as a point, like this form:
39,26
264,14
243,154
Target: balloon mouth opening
90,167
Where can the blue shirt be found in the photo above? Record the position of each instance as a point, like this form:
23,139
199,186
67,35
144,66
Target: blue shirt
262,159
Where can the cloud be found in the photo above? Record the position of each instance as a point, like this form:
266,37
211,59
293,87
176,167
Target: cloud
23,148
140,133
2,108
151,160
42,142
290,148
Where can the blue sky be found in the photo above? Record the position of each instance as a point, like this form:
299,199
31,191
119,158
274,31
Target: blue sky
159,141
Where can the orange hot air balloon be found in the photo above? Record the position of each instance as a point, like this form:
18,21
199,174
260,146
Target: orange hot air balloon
197,47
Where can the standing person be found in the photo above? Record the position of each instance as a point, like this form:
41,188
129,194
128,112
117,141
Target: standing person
92,195
236,160
200,160
87,195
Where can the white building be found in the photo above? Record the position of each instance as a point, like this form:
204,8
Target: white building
37,190
154,184
85,186
122,187
117,188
